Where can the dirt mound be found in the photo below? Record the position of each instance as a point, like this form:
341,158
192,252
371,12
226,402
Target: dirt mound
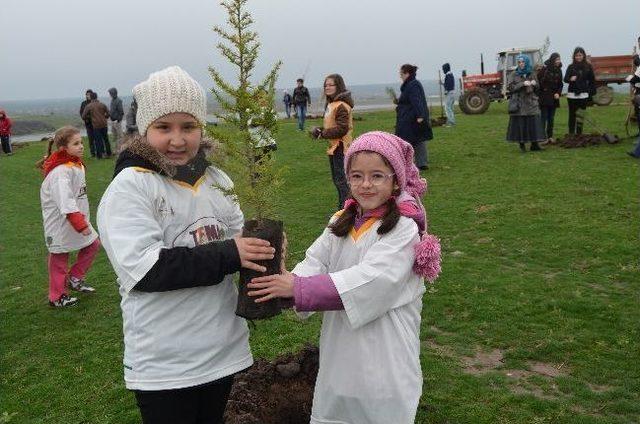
275,392
570,141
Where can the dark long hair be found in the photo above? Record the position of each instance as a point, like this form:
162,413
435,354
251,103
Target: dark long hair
409,69
585,62
341,226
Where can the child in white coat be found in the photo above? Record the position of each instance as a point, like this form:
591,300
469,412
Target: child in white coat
172,234
65,215
365,272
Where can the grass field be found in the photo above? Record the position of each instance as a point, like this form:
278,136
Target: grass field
535,318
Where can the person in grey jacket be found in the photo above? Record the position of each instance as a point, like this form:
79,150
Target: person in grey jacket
524,107
132,126
116,111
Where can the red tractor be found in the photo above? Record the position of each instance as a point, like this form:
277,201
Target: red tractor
478,91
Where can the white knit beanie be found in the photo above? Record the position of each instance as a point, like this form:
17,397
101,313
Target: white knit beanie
167,91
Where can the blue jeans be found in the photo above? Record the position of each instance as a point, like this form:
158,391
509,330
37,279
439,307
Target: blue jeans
301,110
6,144
287,109
448,108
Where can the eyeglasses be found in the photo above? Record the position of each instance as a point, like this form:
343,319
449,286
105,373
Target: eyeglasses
376,179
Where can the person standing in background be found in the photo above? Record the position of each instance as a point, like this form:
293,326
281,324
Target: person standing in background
87,123
5,133
412,115
582,86
131,122
97,113
550,80
449,93
301,99
117,113
286,99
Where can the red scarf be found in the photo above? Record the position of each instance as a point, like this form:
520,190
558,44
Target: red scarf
59,157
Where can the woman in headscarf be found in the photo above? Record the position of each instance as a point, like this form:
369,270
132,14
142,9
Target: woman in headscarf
524,109
412,115
582,85
550,80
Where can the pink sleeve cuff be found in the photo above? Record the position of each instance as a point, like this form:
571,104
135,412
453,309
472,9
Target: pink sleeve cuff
316,293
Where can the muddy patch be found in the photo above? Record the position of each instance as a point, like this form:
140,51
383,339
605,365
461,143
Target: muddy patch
275,392
483,362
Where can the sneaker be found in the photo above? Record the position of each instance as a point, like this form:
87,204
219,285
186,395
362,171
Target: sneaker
64,301
80,285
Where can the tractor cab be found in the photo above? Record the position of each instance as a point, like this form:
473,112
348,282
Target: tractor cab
507,62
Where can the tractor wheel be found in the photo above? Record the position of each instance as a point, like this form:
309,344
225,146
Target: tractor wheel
474,102
603,96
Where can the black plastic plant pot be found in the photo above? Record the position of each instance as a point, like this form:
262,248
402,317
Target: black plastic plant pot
247,308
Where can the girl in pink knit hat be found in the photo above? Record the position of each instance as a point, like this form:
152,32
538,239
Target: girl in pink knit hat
365,272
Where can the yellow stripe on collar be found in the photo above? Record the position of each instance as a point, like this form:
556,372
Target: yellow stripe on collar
356,234
193,187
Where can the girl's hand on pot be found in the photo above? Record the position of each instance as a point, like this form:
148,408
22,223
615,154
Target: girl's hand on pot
271,286
253,249
86,231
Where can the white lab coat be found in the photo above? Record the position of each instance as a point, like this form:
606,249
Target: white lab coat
370,352
64,191
180,338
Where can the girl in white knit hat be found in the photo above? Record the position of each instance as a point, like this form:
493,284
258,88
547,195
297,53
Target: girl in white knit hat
172,236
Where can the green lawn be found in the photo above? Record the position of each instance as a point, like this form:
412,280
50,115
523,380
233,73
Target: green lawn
535,318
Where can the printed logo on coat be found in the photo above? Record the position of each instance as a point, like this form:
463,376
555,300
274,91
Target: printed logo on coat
82,192
203,231
163,207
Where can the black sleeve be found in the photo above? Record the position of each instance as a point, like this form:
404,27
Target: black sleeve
184,267
568,74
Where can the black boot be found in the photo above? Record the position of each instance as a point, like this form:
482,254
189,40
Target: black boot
535,147
523,148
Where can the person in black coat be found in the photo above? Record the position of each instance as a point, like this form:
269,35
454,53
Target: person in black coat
582,86
550,80
87,123
412,115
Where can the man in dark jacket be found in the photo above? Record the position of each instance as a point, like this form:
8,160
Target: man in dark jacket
412,115
449,94
87,122
97,113
117,113
301,99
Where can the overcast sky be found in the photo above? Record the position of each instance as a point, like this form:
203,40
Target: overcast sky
53,49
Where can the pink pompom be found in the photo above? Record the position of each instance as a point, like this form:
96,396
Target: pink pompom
428,259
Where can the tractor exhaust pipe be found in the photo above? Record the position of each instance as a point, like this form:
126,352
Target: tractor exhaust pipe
481,64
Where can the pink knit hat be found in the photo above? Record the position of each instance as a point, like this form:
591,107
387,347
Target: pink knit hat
398,152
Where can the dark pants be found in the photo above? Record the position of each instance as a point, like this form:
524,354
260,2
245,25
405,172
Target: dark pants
203,404
336,162
575,125
6,144
287,109
101,139
547,115
92,143
636,151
